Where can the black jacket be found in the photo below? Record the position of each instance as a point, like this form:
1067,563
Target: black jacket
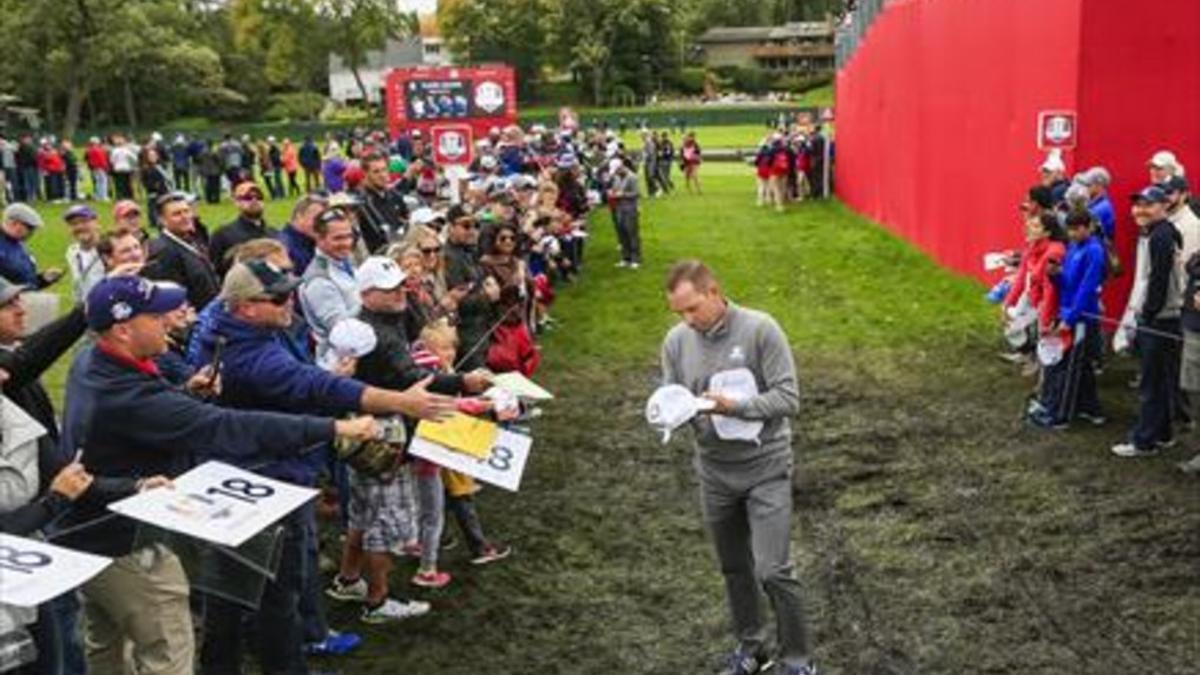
390,365
162,430
229,236
382,216
1165,242
475,312
188,266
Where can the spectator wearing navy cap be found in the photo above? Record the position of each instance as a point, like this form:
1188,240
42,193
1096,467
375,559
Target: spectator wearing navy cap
83,257
1182,217
162,430
16,263
1158,340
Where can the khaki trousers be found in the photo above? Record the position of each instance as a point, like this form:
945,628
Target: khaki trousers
138,618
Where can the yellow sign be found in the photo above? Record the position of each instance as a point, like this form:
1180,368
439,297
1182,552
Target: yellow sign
463,433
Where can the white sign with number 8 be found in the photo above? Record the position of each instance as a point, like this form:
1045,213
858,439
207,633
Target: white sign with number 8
503,466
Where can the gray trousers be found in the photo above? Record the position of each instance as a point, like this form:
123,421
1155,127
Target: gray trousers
748,510
628,233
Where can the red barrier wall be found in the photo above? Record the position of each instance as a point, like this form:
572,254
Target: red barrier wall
937,112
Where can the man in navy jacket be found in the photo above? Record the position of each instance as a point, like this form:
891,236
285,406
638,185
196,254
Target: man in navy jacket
129,422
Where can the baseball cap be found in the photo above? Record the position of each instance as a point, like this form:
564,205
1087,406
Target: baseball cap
126,208
672,406
350,338
1174,184
255,279
118,299
1097,175
1163,159
9,290
22,213
1053,163
379,272
614,164
80,211
1150,193
423,216
339,200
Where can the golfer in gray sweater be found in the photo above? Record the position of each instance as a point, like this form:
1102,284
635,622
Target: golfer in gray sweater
740,359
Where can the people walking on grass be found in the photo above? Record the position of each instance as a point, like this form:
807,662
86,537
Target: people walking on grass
740,360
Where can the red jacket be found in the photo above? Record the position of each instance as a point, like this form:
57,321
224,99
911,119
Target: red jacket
1032,272
97,158
49,161
512,349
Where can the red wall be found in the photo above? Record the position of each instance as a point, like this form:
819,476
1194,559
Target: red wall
937,115
937,112
1139,92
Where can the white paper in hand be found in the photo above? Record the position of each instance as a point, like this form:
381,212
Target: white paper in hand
672,406
32,572
993,261
737,385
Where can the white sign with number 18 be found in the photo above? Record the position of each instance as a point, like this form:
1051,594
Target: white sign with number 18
216,502
32,572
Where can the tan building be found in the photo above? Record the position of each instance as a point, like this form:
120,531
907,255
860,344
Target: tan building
800,47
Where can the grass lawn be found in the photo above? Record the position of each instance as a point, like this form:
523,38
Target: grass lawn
934,533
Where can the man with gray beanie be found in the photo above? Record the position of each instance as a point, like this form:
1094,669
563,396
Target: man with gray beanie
740,361
17,265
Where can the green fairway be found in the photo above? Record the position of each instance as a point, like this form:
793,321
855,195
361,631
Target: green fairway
934,533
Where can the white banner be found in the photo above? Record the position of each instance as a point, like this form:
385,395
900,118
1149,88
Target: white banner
216,502
32,572
503,466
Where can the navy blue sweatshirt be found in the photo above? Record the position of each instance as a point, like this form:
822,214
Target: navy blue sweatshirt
133,423
1163,292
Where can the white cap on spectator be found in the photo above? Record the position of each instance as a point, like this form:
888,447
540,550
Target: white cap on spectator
614,164
1163,159
1054,163
423,216
378,272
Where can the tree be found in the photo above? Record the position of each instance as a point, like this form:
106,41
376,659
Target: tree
360,26
512,31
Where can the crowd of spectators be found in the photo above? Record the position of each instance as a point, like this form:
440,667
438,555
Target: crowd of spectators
395,292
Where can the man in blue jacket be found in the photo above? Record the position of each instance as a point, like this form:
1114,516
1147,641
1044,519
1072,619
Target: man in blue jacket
259,372
129,422
1070,384
17,265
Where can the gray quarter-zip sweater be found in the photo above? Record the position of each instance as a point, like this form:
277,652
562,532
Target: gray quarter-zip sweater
745,338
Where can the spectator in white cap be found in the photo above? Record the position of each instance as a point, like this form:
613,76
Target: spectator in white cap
1054,175
16,263
1162,165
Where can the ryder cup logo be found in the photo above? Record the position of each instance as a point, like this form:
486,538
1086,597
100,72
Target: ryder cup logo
452,145
736,354
489,96
1059,129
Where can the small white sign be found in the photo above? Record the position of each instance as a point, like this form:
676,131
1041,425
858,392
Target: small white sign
216,502
503,466
32,572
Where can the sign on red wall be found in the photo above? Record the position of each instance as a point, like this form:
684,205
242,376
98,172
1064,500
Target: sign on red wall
442,102
1057,129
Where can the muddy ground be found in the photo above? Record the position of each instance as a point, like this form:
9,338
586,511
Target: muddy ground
934,533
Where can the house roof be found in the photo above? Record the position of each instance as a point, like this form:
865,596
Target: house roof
795,29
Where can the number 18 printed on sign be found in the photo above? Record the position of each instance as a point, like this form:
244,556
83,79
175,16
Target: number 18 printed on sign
502,467
216,502
32,572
